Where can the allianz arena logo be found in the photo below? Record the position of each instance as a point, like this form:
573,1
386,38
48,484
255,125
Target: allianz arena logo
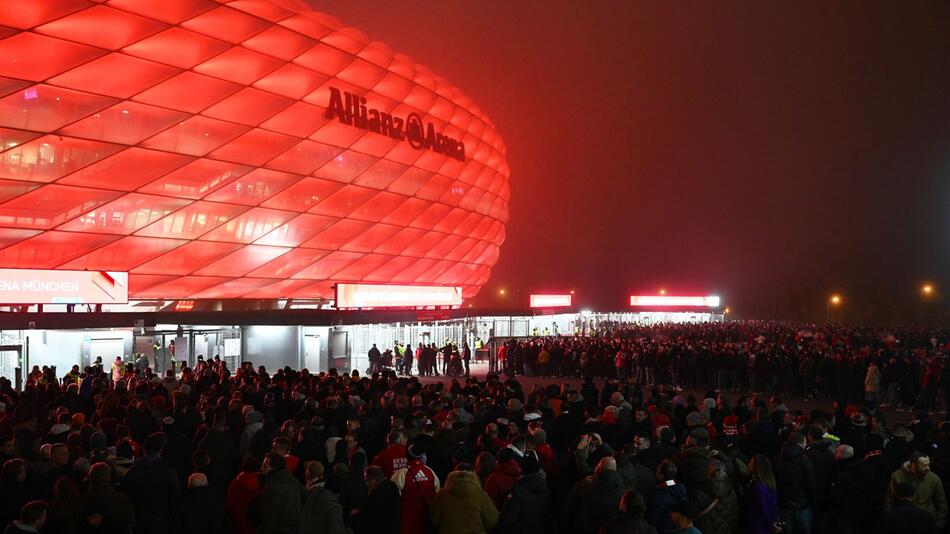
352,110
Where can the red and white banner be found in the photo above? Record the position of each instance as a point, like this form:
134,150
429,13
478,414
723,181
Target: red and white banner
550,301
392,296
35,286
663,300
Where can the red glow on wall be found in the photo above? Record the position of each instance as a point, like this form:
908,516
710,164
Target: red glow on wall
663,300
186,142
550,301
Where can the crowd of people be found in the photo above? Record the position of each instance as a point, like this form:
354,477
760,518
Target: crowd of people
285,451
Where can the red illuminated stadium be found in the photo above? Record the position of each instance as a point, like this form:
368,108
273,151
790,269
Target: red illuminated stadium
245,149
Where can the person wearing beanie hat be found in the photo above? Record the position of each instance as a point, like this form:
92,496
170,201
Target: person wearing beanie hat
507,470
418,484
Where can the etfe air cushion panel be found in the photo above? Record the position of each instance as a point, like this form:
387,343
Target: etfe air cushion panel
237,149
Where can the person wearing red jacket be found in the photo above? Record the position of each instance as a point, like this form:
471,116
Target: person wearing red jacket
240,493
418,485
501,481
393,457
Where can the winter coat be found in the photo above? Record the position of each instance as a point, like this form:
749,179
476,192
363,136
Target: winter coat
721,517
241,493
663,499
819,452
849,493
201,511
761,508
872,382
154,489
115,506
281,496
500,482
322,513
224,459
929,495
591,502
463,507
418,485
905,518
380,513
691,466
527,506
794,479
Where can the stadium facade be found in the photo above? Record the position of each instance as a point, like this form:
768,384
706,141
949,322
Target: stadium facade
237,150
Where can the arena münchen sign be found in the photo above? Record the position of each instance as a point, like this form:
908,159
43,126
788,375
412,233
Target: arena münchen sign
351,109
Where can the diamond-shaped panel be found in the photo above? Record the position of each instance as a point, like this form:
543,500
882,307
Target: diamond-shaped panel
189,142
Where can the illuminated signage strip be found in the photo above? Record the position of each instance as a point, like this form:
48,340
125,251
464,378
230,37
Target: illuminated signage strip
550,301
662,300
36,286
392,296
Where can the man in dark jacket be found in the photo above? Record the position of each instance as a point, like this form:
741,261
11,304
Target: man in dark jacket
201,509
223,453
668,492
592,500
904,517
848,493
527,505
795,481
321,510
281,496
716,502
153,487
380,513
820,452
114,507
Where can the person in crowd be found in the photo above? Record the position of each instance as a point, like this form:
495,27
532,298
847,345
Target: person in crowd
630,517
31,519
795,476
905,517
462,506
321,509
928,488
380,512
527,507
682,515
668,492
418,485
153,487
761,497
280,500
715,501
201,510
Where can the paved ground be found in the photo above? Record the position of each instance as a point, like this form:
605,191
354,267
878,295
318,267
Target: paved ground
480,370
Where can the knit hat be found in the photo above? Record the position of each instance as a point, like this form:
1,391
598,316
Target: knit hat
414,452
679,401
730,425
709,403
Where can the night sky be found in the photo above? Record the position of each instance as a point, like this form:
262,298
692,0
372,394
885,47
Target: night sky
772,154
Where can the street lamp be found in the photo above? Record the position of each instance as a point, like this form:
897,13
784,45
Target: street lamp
663,292
835,300
501,292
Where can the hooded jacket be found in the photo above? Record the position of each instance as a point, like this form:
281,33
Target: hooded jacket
281,494
463,507
499,483
929,494
527,506
243,489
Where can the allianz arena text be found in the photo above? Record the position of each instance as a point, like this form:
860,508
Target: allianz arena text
246,149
